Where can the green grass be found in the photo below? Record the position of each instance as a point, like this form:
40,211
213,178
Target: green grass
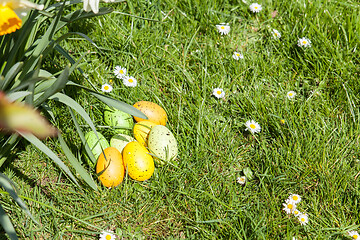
178,57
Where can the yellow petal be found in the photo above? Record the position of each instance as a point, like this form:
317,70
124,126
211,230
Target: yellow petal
9,21
17,117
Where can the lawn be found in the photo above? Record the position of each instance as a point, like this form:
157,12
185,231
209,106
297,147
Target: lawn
308,143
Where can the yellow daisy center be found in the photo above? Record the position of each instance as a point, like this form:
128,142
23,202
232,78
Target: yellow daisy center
222,27
252,126
121,71
218,92
256,7
9,21
295,198
290,94
355,236
296,212
130,80
108,237
304,42
238,54
106,87
302,219
282,121
290,206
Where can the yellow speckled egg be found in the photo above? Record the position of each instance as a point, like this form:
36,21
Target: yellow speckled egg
141,131
111,168
138,162
154,112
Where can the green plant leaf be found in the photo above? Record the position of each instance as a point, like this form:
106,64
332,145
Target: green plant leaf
74,105
41,146
9,186
76,164
7,225
119,105
58,85
11,74
113,102
42,44
17,95
82,136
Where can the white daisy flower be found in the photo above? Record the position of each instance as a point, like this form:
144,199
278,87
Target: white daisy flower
107,236
241,180
296,212
130,81
120,72
223,29
289,206
304,42
294,238
291,94
255,7
237,56
218,92
106,88
295,198
303,218
252,126
354,234
276,34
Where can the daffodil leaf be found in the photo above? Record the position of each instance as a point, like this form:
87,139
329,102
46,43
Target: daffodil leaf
7,225
41,146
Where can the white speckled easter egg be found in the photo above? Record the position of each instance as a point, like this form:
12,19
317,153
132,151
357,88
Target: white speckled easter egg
162,143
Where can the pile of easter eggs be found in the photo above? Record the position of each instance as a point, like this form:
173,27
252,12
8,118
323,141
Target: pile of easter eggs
135,148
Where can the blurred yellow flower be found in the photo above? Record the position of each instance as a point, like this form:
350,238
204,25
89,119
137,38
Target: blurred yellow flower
11,12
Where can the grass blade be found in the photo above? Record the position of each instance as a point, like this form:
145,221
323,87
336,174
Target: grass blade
9,186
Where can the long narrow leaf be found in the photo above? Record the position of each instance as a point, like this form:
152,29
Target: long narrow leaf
76,164
82,137
119,105
17,95
65,36
113,102
43,43
77,107
59,84
7,225
41,146
9,186
10,75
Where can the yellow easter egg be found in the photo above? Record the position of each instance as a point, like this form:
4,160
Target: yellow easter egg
154,112
141,131
111,168
138,162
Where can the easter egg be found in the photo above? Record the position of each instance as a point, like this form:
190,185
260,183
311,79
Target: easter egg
138,162
154,112
121,121
110,169
162,143
119,141
96,144
141,131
